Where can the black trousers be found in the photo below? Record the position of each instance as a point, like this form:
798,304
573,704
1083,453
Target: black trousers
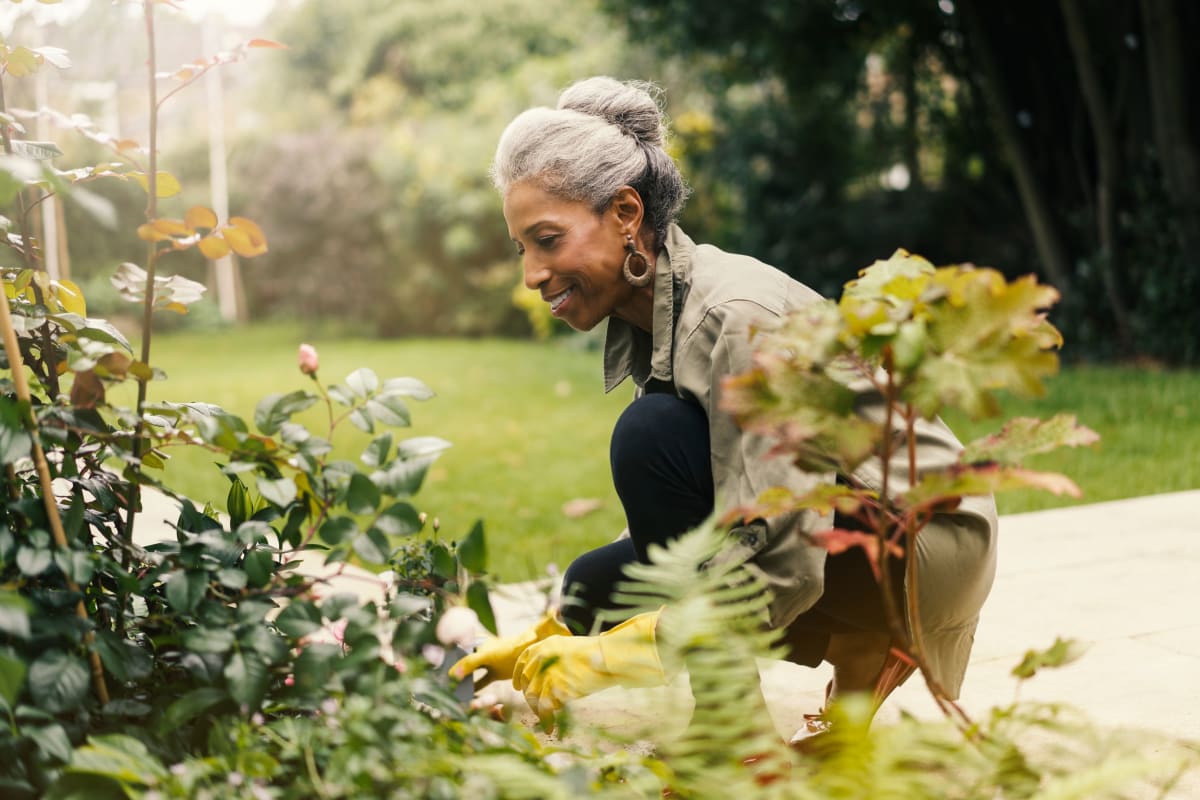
662,473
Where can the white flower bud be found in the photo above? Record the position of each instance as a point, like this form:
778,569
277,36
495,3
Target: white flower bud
458,626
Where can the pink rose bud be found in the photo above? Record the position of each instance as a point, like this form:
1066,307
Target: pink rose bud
308,358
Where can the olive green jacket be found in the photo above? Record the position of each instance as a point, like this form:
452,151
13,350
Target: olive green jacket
705,301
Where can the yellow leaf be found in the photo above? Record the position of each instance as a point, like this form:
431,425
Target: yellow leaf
214,247
141,370
245,237
200,217
21,61
178,308
171,227
71,297
113,365
166,184
148,233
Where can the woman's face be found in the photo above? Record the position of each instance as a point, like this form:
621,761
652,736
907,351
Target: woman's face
571,254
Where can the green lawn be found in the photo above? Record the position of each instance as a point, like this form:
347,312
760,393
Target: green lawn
530,426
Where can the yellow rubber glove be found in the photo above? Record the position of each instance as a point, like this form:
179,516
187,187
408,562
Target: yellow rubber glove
560,669
499,655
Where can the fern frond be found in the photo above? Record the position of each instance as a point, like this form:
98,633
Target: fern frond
713,627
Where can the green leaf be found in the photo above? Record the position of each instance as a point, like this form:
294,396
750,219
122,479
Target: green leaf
299,619
14,615
399,519
958,481
363,495
472,550
372,547
362,419
1059,654
185,589
479,602
405,605
33,562
73,521
266,643
259,565
1024,436
341,394
422,447
15,442
390,410
281,492
122,758
276,409
58,681
76,565
52,741
190,706
402,478
204,639
378,450
363,382
232,578
12,675
123,658
443,562
336,530
314,666
246,675
407,387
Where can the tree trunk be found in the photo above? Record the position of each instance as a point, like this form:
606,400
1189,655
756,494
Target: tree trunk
1107,167
1177,153
912,143
1047,241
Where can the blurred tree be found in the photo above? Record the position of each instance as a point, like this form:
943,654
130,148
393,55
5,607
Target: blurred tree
1022,135
371,171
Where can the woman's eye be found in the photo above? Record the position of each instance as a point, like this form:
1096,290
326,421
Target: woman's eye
520,250
546,242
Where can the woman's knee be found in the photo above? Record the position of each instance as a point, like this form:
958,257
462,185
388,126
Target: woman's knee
657,435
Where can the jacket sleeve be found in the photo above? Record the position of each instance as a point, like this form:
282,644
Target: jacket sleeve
777,548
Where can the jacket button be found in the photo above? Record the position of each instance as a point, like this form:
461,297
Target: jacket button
750,538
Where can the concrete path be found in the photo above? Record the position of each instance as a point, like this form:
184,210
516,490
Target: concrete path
1123,578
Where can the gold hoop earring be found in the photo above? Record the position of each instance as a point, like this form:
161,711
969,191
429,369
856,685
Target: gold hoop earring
647,275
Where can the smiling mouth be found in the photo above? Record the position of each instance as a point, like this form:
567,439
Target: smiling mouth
558,299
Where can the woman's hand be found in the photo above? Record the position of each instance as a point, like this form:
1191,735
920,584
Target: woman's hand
499,655
560,669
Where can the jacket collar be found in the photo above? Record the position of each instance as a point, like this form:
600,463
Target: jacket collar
631,351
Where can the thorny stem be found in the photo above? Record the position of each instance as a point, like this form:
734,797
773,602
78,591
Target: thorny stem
910,526
135,490
882,528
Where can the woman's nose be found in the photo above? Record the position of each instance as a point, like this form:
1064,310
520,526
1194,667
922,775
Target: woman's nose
536,272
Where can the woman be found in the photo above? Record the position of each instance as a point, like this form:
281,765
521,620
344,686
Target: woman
591,198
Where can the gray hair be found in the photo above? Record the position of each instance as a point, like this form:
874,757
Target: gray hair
605,134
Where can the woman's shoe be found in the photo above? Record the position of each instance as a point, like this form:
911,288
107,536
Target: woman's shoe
897,667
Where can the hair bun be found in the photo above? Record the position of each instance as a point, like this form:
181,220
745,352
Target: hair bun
632,106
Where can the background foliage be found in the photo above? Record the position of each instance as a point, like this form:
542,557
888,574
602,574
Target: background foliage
819,136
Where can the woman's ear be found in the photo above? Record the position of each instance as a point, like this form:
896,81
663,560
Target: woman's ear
627,206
